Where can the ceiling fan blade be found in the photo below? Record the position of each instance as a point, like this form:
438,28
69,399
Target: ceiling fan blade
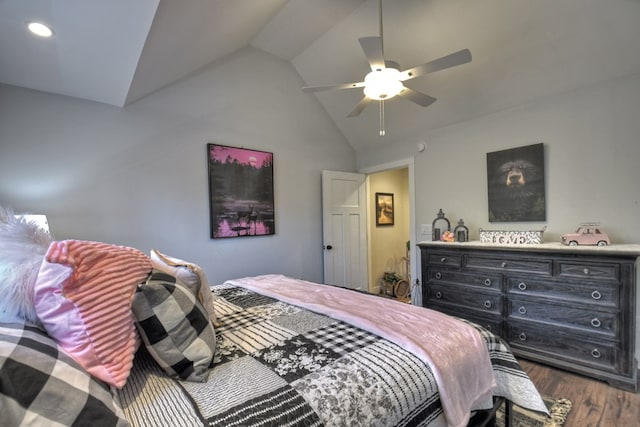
372,47
457,58
417,97
361,106
332,87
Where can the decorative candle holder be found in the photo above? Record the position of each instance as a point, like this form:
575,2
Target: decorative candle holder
440,225
461,232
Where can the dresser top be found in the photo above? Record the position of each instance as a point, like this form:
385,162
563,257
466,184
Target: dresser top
613,249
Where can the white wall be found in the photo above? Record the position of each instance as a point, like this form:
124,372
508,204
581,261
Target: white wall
137,176
592,163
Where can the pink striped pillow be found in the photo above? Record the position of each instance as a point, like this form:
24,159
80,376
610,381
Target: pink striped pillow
83,297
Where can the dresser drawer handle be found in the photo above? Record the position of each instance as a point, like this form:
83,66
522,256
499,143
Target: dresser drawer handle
522,336
487,282
596,295
487,304
595,322
596,353
522,310
586,271
438,294
443,259
504,265
438,275
522,286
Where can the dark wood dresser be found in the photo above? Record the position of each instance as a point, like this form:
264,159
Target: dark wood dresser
568,307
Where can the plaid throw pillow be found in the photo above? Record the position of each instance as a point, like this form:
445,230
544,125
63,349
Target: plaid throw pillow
174,327
41,385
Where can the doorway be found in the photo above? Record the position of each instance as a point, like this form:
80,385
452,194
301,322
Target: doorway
388,251
387,245
342,217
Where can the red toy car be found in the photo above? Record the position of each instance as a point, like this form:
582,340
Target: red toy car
588,233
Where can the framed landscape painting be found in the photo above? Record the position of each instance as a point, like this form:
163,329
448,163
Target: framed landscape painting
240,192
384,209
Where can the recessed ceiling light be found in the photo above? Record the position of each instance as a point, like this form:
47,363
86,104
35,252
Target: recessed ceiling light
40,29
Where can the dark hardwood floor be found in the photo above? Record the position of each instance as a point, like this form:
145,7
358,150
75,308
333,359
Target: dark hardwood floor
595,404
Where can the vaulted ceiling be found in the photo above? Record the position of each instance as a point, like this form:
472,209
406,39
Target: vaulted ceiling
118,51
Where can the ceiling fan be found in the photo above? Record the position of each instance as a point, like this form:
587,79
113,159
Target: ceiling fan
385,80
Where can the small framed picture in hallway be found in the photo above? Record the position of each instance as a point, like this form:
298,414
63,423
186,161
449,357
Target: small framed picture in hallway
384,209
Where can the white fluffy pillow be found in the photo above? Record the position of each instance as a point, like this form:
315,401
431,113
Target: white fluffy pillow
22,248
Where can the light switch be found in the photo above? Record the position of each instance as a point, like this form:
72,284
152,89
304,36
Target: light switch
425,229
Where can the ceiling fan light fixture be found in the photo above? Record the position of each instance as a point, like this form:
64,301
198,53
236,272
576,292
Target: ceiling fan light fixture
383,84
385,80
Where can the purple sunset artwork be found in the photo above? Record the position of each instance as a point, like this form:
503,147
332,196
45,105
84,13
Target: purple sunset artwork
240,192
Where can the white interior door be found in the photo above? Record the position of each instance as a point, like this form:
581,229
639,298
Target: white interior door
344,218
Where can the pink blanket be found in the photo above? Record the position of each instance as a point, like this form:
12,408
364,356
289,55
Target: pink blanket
455,352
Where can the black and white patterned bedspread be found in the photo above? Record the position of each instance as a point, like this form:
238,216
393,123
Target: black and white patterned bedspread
281,365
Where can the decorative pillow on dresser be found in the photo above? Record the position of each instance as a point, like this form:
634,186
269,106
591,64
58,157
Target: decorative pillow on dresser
190,274
83,298
174,327
41,385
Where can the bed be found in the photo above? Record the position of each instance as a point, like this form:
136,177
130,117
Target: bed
102,335
281,364
278,362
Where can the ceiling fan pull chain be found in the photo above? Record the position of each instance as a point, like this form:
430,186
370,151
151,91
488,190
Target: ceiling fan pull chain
382,118
380,15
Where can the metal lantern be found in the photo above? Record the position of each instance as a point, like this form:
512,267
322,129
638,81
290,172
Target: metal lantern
461,232
440,225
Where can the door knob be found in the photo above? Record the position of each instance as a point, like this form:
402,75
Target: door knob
329,247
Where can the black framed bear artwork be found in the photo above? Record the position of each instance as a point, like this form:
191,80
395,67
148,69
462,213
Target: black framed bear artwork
516,185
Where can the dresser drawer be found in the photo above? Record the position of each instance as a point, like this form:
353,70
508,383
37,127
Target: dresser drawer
482,279
541,266
603,323
562,344
590,271
444,259
492,323
487,302
600,294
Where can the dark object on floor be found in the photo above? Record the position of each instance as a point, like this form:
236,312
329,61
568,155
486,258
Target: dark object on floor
558,408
